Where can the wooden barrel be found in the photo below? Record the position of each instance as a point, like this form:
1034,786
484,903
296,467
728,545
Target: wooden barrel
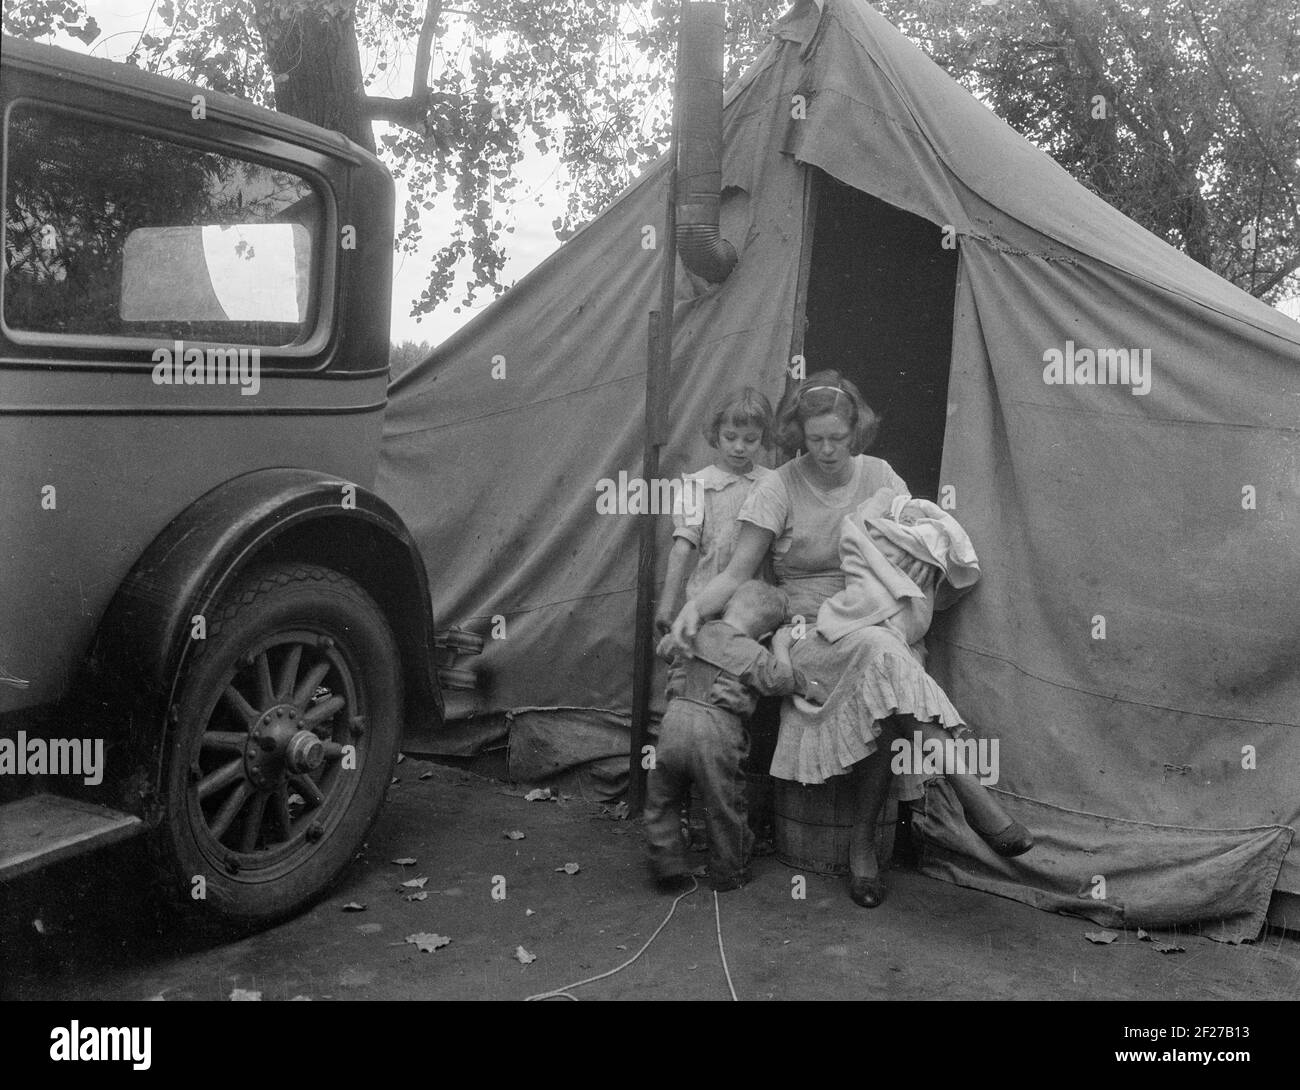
813,822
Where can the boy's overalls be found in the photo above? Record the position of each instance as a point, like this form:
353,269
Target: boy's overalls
702,741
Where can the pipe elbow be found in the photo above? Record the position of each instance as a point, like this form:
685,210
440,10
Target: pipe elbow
705,252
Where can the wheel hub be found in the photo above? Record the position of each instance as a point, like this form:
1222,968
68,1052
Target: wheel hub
278,746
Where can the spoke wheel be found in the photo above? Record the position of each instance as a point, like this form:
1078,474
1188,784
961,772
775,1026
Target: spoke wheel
285,741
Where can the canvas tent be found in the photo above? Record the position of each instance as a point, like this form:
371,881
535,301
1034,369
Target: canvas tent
1135,641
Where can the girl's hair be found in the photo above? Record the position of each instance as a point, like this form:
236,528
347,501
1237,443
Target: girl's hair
745,408
819,394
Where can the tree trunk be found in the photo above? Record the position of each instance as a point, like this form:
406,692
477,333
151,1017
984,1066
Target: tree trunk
315,64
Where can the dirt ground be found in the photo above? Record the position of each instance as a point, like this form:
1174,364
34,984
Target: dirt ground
930,940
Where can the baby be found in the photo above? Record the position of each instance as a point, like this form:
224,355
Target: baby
702,740
902,558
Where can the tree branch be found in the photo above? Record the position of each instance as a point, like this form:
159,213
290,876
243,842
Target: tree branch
1248,121
1278,276
411,112
424,47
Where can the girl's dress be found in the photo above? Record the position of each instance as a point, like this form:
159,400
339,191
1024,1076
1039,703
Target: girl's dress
711,526
871,673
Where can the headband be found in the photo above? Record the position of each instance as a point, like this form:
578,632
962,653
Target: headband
810,389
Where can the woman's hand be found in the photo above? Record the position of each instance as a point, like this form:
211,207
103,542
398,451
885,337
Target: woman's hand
685,627
664,619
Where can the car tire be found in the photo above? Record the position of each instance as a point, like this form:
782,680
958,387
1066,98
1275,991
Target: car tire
284,740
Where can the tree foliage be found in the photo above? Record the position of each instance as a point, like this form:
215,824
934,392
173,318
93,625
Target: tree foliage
1184,114
1198,140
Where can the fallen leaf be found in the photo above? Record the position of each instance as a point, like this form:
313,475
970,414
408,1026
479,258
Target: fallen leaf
1166,947
405,861
354,906
513,834
428,942
539,794
394,780
423,895
1101,938
415,883
523,956
620,812
244,995
369,928
426,775
528,912
621,946
568,868
1143,936
401,757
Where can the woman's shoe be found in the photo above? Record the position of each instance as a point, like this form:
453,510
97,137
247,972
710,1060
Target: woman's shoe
867,892
1015,839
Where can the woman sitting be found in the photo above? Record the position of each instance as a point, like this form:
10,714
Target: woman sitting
877,684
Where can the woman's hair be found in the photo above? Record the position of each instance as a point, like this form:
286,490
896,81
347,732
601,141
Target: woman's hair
819,394
745,408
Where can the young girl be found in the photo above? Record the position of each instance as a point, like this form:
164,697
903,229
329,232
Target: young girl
704,525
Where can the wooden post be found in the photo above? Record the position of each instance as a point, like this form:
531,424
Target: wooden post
643,644
659,353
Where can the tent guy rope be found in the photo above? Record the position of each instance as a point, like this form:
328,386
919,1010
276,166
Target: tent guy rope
563,993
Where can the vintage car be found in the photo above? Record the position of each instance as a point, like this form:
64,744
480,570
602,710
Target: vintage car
211,630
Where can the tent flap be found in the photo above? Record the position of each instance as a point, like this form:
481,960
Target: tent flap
1117,873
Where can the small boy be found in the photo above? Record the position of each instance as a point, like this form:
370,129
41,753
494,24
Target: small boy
702,740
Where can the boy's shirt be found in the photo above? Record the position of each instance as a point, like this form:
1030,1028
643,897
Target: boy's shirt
741,668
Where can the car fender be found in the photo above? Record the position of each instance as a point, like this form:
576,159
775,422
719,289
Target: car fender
140,648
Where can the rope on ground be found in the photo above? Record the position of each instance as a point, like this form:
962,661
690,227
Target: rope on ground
563,993
717,915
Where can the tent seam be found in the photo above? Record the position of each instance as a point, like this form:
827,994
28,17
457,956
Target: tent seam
1113,698
1171,421
1275,827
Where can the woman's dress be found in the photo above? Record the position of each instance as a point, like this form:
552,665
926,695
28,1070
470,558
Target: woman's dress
870,673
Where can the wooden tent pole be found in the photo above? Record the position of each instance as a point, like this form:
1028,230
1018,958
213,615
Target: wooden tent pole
659,353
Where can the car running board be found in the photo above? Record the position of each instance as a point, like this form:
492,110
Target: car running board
41,829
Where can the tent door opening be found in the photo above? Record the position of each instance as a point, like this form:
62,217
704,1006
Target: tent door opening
879,306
